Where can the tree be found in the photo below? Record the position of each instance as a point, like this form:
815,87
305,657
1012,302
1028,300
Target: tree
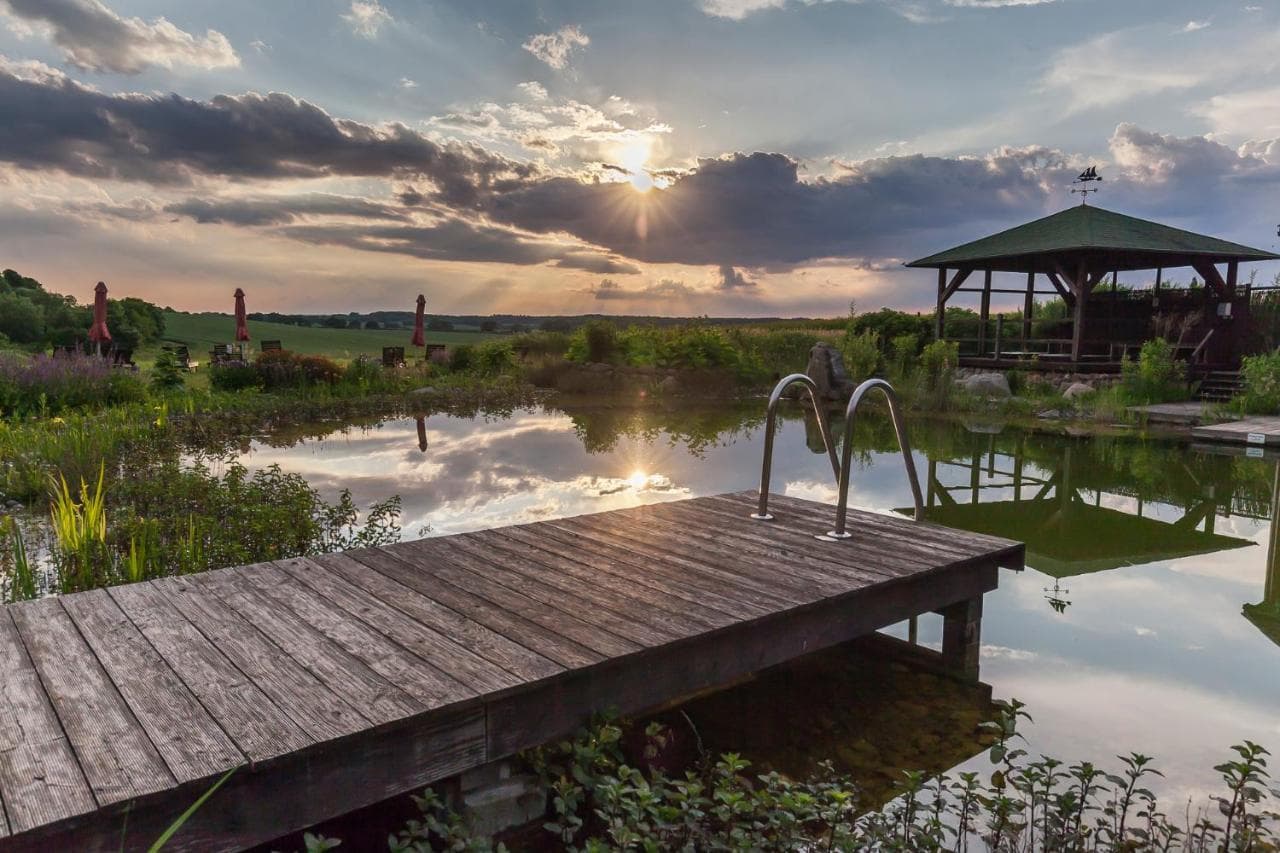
489,326
21,319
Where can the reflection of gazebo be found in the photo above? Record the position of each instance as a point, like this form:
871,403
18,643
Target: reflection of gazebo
1075,250
1064,533
1265,615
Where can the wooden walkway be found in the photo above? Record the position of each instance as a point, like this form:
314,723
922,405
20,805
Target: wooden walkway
339,681
1255,431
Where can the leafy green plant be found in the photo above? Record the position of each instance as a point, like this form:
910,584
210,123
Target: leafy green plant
1261,378
861,351
166,375
1156,376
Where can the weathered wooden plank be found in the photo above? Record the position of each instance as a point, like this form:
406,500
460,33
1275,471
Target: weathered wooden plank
379,700
112,748
412,617
855,559
604,611
677,670
677,581
729,584
776,594
259,728
805,573
397,664
191,743
315,708
283,795
40,779
532,610
643,594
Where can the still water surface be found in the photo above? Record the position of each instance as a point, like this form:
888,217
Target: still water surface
1148,619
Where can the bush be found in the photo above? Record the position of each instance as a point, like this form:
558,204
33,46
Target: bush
462,357
1156,377
234,377
50,385
904,351
494,357
166,375
540,344
1261,375
284,369
594,341
938,363
861,351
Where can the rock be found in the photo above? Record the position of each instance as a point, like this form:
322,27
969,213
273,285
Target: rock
826,369
1077,390
1049,415
988,385
670,385
425,391
599,367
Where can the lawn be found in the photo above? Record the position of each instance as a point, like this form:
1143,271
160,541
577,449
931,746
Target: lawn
201,331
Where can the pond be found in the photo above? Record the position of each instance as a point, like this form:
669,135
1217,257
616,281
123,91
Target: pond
1148,619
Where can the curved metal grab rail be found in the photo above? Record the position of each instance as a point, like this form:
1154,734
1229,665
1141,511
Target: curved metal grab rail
767,468
846,457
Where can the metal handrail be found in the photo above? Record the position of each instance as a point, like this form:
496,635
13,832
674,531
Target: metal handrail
846,461
770,423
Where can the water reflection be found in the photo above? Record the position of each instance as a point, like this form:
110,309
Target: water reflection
1133,629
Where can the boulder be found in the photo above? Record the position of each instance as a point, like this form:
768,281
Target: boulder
826,369
987,385
670,385
427,391
1077,390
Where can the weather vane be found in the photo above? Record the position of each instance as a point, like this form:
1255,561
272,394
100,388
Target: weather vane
1085,178
1057,596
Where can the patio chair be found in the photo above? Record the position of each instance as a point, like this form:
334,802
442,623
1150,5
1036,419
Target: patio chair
272,346
393,356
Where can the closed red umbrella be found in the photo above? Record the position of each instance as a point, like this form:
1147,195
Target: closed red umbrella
419,340
98,331
242,322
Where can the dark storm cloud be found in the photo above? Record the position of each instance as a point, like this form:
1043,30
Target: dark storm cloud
602,264
95,38
279,210
731,279
168,139
754,210
451,239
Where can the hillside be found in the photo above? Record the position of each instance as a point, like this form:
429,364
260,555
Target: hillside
201,331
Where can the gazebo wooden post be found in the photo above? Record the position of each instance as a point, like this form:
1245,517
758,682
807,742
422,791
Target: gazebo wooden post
1028,304
984,314
1080,286
942,304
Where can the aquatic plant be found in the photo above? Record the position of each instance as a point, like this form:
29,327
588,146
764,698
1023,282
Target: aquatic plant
47,385
601,802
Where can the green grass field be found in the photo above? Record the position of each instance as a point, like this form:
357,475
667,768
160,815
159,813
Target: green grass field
201,331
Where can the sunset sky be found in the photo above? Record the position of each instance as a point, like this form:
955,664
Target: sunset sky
678,157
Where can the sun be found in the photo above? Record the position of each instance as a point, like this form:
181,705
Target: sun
640,181
638,479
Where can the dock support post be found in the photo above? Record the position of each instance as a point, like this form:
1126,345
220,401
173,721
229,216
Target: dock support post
962,637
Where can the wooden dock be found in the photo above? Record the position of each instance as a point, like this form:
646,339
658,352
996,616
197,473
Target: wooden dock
338,681
1255,431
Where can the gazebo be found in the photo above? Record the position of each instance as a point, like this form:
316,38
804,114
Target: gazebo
1074,250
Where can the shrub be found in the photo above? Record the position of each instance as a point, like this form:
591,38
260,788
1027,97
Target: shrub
462,357
284,369
1157,376
44,384
938,363
494,357
594,341
904,350
1261,375
234,377
861,351
166,375
540,343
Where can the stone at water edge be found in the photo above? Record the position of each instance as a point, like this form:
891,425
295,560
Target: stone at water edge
1078,389
987,385
425,391
826,369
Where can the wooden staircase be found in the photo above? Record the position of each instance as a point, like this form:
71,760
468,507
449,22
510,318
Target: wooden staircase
1219,386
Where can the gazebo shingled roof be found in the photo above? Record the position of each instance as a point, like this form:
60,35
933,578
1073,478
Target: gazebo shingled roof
1126,242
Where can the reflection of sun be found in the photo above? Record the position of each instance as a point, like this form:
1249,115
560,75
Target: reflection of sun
638,479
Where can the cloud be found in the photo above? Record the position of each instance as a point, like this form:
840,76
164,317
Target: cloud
731,279
406,83
277,210
94,38
366,18
260,46
664,289
592,262
1247,114
168,139
994,4
533,90
556,48
754,210
1193,26
1105,72
736,10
